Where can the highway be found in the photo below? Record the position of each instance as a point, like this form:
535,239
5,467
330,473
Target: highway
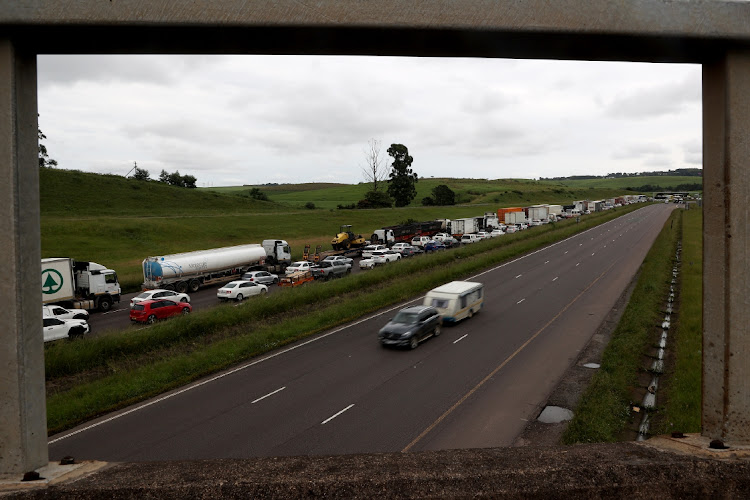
476,385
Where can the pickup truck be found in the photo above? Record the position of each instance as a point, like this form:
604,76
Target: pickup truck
327,270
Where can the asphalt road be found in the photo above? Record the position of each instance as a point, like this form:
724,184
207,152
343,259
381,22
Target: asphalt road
340,392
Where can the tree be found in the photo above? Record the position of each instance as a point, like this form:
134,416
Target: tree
401,185
164,177
141,174
188,181
44,159
443,195
375,199
373,170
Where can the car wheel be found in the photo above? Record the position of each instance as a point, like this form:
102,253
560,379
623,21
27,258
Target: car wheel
75,333
436,332
183,299
275,281
471,313
263,291
185,311
413,342
151,319
239,297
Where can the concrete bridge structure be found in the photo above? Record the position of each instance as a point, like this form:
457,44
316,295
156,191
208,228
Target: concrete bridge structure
713,33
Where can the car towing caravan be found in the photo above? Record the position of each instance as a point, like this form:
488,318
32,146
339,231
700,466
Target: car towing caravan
456,300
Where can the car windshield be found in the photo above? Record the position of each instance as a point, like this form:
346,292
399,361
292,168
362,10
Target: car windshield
138,307
407,318
230,285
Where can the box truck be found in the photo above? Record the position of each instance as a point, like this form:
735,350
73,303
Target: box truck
78,284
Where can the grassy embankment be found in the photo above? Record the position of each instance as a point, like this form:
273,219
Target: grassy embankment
625,182
95,375
604,409
680,390
134,219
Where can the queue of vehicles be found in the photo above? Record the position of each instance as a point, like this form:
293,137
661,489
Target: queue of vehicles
247,270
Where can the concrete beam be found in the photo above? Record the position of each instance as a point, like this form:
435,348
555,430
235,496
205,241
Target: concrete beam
23,418
726,248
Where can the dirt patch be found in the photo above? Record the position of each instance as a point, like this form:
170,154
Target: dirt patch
576,378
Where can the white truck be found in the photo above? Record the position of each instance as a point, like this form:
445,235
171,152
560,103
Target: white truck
459,227
513,218
191,270
555,212
77,284
539,212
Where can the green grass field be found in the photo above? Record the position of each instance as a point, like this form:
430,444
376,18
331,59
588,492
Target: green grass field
625,182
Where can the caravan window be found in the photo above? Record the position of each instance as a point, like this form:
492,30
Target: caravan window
440,303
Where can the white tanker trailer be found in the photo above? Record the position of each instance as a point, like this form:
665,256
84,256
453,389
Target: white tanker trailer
191,270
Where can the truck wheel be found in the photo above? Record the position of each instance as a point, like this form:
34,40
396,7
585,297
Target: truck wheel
181,287
194,285
105,304
169,287
151,320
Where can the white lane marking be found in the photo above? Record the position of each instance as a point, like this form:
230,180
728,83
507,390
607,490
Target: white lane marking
336,415
460,338
580,244
302,344
520,301
546,262
114,311
555,278
566,251
605,246
593,254
269,394
519,276
578,264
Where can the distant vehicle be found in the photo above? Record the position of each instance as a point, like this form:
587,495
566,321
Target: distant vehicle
148,311
346,239
385,256
410,326
484,235
56,328
496,232
398,247
470,238
456,300
522,226
301,265
405,232
62,313
367,251
419,241
262,277
511,229
339,258
367,263
296,278
535,222
411,251
434,246
160,294
240,290
442,237
328,270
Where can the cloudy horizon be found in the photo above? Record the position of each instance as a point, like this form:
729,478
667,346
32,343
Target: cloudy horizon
233,120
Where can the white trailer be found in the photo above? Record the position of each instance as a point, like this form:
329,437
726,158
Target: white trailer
191,270
512,218
539,212
467,225
78,284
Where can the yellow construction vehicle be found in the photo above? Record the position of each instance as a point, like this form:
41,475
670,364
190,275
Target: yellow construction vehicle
346,239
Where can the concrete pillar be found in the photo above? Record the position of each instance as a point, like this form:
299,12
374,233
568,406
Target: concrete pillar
726,248
23,418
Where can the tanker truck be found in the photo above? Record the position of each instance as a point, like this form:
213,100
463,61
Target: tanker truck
192,270
78,284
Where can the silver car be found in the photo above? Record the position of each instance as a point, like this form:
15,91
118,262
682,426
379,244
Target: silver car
262,277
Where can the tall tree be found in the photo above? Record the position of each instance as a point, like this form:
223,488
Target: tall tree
44,159
402,183
141,174
374,170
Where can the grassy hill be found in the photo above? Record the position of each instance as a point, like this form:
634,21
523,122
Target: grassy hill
626,182
119,222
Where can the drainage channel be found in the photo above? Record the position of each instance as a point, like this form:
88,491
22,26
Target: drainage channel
657,368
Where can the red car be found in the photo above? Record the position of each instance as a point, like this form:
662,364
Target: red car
148,311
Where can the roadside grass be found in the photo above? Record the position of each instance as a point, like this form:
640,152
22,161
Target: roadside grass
681,389
258,326
604,408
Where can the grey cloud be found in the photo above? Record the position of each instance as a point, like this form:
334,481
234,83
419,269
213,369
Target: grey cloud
639,151
656,101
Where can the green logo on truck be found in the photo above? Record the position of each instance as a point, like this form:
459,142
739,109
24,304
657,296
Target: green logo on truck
52,281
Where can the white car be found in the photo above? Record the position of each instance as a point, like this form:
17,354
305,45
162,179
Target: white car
240,290
160,294
419,241
367,263
470,238
484,235
442,237
56,328
511,229
399,247
367,251
62,313
301,265
385,256
535,222
496,232
339,258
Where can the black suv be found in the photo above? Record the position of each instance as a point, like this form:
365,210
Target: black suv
411,326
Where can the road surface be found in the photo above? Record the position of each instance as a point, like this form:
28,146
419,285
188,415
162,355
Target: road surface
476,385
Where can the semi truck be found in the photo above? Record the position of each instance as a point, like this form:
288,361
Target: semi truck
404,233
79,284
192,270
538,212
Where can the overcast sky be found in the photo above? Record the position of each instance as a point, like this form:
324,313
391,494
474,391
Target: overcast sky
233,120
